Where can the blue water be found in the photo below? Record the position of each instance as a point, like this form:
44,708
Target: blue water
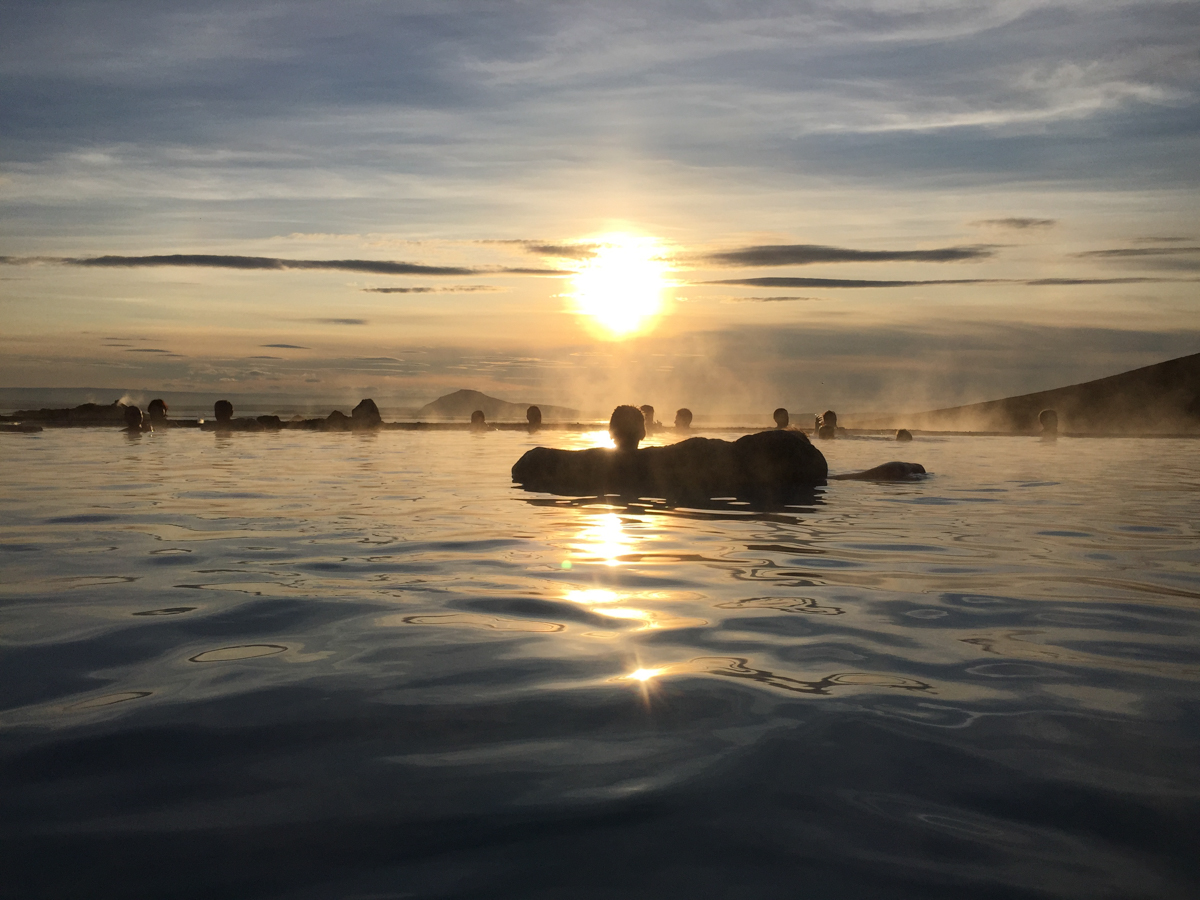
340,665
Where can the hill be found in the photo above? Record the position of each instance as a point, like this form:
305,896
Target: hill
461,404
1160,399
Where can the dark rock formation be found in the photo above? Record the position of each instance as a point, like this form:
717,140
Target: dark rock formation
1163,398
337,421
888,471
767,462
86,414
903,434
366,415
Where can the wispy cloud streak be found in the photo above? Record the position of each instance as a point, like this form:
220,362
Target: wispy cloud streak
1018,222
809,254
783,282
453,289
1135,252
270,263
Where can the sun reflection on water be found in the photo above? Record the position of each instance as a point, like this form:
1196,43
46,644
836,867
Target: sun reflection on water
603,539
632,607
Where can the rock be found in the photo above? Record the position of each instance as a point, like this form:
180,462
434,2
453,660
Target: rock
770,461
366,415
336,421
888,471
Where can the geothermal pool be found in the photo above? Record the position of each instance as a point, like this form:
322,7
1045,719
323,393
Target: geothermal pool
366,665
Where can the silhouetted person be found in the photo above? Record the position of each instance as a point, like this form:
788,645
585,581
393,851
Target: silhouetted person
627,426
223,411
1048,419
157,411
366,415
479,422
827,425
134,424
648,414
533,416
781,418
903,434
683,419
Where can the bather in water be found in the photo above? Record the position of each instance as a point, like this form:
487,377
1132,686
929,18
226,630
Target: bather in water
1048,419
135,423
479,422
827,425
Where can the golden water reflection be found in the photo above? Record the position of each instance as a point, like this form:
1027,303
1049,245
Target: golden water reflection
631,606
603,538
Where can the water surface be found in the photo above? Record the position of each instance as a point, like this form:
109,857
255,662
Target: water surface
345,665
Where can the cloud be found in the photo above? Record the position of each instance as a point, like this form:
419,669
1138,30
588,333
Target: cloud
782,282
270,263
338,321
863,283
1017,222
1038,282
264,357
563,251
286,346
456,289
1134,252
146,350
808,254
768,299
378,267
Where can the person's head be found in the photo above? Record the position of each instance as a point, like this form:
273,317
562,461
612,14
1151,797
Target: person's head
477,418
829,417
903,434
781,417
133,418
157,410
627,427
223,410
533,415
1048,419
683,418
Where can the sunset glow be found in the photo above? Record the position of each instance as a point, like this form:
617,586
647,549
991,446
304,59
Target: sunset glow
618,293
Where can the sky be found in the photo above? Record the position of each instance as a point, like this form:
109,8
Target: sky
874,204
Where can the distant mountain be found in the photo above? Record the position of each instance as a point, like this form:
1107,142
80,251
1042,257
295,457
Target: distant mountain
461,404
1159,399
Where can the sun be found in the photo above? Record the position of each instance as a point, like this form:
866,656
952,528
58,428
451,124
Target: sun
618,292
